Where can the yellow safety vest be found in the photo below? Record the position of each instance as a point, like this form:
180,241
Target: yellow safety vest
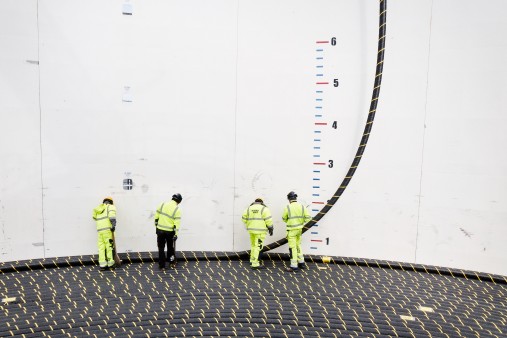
103,215
168,215
295,215
257,218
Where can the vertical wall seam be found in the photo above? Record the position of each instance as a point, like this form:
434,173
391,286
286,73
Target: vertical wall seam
423,136
234,188
40,139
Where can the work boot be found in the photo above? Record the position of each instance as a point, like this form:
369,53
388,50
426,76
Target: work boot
302,266
173,262
260,267
290,269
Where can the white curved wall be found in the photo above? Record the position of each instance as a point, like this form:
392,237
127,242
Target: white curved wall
225,108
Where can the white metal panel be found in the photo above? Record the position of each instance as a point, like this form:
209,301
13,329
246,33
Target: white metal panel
176,135
22,231
377,215
463,205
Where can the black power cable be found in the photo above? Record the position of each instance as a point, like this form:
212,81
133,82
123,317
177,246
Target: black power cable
366,133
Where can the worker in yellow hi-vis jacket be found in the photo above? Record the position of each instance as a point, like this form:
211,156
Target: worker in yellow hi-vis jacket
167,223
259,222
295,215
105,218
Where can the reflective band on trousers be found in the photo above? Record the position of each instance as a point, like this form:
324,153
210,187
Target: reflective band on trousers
257,229
101,229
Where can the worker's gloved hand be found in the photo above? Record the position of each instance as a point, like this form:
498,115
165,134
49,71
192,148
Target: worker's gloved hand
175,237
113,228
270,231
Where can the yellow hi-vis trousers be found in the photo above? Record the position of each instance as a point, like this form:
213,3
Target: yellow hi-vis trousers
256,245
294,241
105,244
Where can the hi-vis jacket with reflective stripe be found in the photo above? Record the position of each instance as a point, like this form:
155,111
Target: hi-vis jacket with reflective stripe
257,218
168,216
296,215
103,214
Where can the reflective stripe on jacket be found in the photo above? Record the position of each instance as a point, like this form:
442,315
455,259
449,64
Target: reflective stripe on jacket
257,218
103,214
168,215
295,215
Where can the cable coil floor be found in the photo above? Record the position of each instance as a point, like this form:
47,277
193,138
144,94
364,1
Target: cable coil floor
217,294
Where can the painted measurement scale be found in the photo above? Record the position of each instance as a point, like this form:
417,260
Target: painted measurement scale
320,125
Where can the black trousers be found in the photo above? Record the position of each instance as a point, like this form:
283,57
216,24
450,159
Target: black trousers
165,238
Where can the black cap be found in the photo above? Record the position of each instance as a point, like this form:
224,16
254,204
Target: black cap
178,198
292,196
